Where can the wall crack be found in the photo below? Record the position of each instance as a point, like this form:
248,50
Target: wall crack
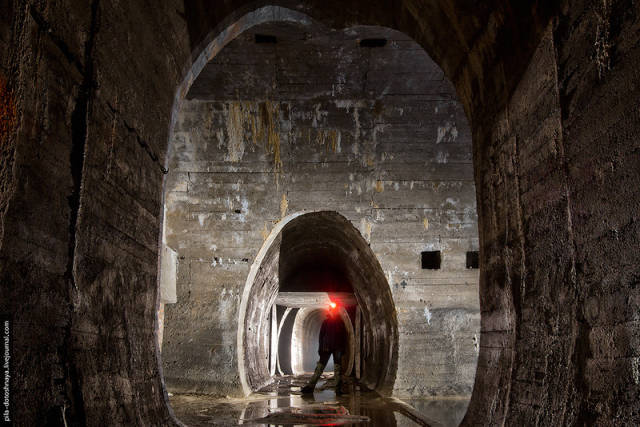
79,136
141,141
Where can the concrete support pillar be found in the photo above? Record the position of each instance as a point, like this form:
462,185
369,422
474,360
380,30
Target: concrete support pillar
274,340
168,278
281,323
160,324
358,341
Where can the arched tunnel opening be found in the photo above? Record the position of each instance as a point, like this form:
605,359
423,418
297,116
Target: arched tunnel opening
304,341
359,133
306,307
311,270
316,258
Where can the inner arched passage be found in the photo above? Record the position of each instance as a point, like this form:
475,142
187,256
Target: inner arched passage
304,340
308,327
334,241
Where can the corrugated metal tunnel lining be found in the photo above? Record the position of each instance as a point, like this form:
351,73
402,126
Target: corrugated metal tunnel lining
311,235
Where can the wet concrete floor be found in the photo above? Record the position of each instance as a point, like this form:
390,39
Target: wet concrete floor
282,404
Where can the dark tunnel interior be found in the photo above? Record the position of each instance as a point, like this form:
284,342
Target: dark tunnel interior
167,164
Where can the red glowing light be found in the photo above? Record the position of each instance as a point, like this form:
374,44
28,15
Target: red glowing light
332,304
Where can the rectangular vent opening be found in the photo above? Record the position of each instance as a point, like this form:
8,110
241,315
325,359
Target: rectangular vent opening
373,42
473,259
264,38
431,260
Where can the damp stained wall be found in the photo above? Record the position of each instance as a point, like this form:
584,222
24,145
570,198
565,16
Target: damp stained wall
317,122
557,188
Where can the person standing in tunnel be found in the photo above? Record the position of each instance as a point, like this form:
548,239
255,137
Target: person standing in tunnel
332,341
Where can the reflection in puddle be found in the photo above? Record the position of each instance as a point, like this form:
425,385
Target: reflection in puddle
320,415
282,404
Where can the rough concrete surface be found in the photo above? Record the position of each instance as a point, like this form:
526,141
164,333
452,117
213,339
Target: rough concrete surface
317,122
550,90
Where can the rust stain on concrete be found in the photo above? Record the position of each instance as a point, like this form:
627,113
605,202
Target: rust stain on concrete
284,205
265,232
235,131
269,114
8,110
330,138
370,161
261,121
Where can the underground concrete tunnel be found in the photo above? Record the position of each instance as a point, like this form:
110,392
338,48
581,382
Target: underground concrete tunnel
99,100
292,116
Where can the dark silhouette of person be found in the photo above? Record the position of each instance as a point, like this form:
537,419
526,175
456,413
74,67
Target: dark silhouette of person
332,341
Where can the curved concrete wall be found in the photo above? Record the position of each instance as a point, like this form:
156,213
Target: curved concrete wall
305,332
304,342
550,88
312,234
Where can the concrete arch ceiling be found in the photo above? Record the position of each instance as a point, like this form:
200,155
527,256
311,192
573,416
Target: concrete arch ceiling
465,39
316,235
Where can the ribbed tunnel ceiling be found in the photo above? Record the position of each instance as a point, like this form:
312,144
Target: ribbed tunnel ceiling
315,257
315,240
